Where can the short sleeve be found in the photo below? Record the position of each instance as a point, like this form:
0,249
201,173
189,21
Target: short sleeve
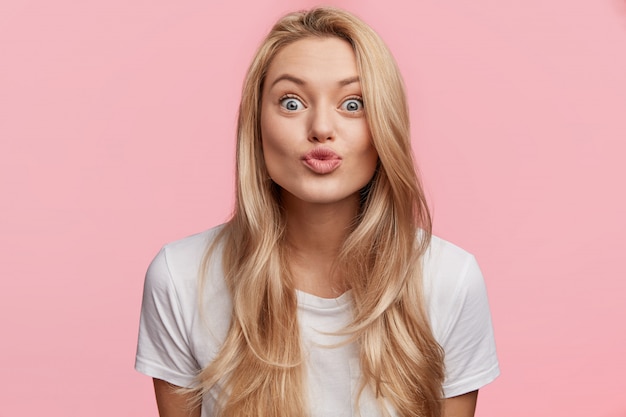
470,351
163,348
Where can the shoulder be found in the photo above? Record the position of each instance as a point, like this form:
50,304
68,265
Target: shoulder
188,252
445,265
167,346
458,308
180,260
453,285
441,249
175,270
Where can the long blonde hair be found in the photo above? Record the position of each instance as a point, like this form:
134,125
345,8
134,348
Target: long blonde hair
259,369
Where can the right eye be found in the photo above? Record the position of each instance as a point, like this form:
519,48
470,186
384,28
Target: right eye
291,103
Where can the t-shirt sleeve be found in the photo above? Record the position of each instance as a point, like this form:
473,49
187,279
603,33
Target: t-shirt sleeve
470,351
163,348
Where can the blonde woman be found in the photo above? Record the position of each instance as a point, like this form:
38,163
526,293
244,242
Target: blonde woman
325,294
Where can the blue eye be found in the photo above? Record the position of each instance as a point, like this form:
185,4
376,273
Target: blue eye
291,104
352,105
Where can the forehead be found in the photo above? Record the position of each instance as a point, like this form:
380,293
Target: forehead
329,58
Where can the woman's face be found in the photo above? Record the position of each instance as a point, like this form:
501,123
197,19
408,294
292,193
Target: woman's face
316,141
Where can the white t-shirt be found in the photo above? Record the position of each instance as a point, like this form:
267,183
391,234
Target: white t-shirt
176,341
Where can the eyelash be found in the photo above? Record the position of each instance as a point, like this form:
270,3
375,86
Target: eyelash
295,97
290,96
355,98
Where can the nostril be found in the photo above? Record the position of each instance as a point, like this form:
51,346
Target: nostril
321,138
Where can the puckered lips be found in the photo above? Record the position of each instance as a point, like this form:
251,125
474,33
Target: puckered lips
321,160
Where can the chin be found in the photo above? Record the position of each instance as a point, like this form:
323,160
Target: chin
320,197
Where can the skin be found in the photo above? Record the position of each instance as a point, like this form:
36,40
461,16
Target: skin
170,403
312,98
318,78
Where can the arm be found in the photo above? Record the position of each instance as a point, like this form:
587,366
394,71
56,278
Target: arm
163,350
171,403
461,405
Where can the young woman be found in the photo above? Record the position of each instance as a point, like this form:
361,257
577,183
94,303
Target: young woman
325,294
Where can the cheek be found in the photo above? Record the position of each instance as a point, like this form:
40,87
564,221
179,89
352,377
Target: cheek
372,162
266,127
275,148
273,143
368,151
277,135
366,162
268,133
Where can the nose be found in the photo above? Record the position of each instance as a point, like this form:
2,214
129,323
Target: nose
321,125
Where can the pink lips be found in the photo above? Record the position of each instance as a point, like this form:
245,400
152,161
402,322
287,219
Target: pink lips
321,160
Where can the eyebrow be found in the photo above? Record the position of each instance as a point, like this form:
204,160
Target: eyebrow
349,81
299,81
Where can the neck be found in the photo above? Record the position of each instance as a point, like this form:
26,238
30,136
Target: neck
314,235
318,228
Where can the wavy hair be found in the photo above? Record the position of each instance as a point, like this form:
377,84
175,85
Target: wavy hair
259,370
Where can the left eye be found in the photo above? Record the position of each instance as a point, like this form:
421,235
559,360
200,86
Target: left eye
291,104
352,105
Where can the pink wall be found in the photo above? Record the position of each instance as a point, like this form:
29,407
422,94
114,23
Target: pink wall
117,122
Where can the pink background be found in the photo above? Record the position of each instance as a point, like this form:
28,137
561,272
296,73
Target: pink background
117,127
